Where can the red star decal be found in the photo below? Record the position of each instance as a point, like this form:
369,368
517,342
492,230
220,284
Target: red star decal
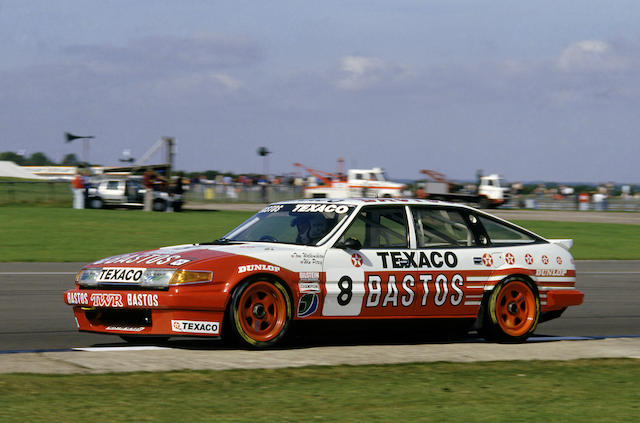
510,259
528,258
356,260
487,259
559,260
545,259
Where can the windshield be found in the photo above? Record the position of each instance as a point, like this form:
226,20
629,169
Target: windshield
302,224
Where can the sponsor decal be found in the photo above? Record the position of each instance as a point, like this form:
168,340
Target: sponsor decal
320,208
191,326
356,260
528,258
258,268
417,260
137,258
106,300
438,291
142,300
77,298
310,276
509,258
179,262
120,274
304,287
545,259
559,260
551,272
308,305
272,209
126,328
487,259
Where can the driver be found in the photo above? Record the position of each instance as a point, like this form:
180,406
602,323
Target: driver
311,228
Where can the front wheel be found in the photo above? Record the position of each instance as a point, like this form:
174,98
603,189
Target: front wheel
95,203
259,313
513,310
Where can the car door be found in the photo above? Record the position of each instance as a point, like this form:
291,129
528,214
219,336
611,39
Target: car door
359,281
450,247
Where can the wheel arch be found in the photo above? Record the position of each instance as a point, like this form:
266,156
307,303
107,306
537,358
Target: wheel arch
486,295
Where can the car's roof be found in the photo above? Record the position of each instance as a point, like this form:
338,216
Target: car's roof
374,201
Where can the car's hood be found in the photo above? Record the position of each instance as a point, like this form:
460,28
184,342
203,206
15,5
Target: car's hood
192,255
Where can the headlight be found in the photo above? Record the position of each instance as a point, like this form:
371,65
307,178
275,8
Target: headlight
156,278
162,278
151,278
88,277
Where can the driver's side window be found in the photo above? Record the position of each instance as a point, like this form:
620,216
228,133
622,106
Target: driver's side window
379,227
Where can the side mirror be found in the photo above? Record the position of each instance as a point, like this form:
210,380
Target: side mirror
350,244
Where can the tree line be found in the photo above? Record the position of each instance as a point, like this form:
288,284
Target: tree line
38,159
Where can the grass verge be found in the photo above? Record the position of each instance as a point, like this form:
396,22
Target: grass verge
581,390
63,234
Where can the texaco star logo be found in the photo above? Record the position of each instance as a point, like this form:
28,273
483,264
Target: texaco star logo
487,259
559,260
356,260
545,259
528,258
509,258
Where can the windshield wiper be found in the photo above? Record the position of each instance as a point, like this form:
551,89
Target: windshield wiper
221,241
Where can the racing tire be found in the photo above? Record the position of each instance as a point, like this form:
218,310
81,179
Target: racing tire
259,314
512,311
159,205
95,203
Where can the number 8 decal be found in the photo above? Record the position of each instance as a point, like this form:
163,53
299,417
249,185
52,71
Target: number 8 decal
346,286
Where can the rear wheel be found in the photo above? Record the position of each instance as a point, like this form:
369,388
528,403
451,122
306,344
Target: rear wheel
260,313
513,311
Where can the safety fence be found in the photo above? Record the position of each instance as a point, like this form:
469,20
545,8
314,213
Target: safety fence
49,192
40,192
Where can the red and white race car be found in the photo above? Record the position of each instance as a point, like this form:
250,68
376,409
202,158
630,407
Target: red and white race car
334,259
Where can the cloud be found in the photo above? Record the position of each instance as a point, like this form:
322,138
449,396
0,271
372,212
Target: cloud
170,52
591,56
360,72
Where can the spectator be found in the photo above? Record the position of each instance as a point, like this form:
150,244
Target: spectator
77,186
148,181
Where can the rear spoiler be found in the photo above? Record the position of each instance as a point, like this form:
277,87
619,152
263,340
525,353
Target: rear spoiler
564,243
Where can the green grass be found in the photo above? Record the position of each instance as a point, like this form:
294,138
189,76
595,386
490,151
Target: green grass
62,234
592,241
15,191
576,391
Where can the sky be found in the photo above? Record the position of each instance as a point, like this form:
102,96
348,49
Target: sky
536,91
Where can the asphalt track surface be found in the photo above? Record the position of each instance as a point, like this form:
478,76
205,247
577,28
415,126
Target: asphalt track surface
38,332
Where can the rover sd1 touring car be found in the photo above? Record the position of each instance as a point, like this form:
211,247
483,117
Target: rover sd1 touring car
321,259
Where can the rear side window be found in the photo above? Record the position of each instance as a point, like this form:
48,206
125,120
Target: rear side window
500,234
438,228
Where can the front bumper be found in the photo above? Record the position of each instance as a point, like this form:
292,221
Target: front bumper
169,313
